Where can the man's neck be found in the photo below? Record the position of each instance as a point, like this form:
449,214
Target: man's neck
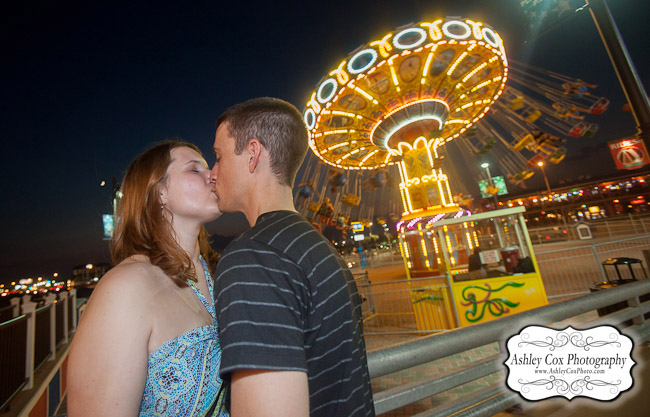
267,199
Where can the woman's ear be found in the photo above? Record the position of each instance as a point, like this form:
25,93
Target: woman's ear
162,193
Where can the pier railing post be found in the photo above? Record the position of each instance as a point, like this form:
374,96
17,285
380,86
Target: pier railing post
15,304
50,299
63,298
73,300
29,309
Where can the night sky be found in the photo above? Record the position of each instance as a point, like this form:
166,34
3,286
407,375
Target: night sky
89,86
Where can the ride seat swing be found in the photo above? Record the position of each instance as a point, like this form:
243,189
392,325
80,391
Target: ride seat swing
520,176
521,144
483,149
557,156
578,130
568,113
351,199
531,114
513,101
591,130
313,206
600,106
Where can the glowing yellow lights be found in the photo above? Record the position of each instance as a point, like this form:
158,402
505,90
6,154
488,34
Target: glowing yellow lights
394,77
474,71
341,76
399,72
338,145
427,64
363,93
456,63
365,158
383,45
406,250
434,29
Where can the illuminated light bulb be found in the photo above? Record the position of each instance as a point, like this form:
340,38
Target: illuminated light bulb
384,46
341,76
353,69
363,93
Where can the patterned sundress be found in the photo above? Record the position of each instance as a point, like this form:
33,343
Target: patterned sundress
183,374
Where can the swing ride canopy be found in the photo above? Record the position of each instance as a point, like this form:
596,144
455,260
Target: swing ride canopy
431,79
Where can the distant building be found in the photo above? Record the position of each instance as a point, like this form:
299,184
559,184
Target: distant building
88,273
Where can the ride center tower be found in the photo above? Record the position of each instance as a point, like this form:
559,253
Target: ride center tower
397,99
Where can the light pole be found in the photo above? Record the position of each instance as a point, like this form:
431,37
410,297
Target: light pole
540,164
487,169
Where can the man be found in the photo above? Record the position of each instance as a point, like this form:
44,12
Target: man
288,309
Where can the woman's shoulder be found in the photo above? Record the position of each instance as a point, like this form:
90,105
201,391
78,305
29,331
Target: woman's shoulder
135,271
130,280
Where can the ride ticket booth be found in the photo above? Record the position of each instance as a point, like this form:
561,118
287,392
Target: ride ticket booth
478,267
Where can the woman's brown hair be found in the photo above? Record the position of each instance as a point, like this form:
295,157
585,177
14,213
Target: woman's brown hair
141,224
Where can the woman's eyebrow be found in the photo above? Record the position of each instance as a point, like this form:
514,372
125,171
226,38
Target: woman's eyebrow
196,161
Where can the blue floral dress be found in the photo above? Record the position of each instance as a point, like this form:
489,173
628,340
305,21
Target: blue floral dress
183,374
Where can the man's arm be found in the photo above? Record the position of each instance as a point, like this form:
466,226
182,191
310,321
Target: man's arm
269,393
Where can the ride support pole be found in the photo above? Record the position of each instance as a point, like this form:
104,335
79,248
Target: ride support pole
627,75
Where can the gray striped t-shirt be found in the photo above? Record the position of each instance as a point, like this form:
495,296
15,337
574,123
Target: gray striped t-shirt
286,301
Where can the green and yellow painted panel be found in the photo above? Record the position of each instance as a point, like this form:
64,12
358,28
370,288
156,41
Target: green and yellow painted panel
482,300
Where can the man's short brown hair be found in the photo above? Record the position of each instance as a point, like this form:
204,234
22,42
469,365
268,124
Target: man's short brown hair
279,127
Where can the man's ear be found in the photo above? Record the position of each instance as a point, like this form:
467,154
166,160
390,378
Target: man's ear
254,150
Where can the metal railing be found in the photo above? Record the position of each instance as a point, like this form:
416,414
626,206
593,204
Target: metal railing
368,308
13,354
615,227
492,397
42,335
6,313
412,306
572,271
30,340
373,258
420,305
60,323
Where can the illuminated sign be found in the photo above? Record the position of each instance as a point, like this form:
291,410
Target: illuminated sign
629,153
499,183
107,219
357,226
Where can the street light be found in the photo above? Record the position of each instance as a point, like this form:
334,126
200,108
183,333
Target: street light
540,164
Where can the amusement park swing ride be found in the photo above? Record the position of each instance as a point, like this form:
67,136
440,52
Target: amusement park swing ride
398,101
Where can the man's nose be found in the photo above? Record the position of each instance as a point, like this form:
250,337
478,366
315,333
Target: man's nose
213,174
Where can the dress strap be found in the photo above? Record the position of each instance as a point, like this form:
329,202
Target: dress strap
208,305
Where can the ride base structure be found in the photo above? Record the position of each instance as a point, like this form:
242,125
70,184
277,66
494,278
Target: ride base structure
483,268
395,101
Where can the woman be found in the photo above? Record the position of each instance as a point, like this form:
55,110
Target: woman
147,342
